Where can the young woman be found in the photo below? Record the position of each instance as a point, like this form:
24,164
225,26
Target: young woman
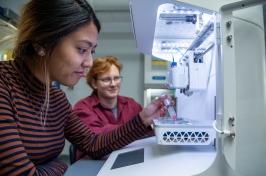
56,40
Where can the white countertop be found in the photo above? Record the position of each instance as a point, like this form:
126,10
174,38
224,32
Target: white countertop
158,160
162,160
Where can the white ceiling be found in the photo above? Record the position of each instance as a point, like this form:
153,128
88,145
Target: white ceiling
109,5
113,15
7,35
98,5
14,5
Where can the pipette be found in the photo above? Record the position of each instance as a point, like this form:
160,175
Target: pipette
170,109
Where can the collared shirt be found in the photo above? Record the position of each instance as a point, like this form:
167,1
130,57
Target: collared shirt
100,119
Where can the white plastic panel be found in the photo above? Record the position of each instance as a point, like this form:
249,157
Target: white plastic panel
244,91
144,34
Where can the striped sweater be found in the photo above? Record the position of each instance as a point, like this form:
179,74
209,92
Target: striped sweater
29,148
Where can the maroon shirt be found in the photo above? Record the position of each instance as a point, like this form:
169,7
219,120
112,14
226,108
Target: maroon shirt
100,119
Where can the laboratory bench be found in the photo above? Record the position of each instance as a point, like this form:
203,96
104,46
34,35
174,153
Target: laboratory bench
146,156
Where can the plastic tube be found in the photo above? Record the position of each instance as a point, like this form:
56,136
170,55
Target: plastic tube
170,109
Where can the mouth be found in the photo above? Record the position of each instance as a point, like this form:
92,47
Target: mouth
80,73
113,90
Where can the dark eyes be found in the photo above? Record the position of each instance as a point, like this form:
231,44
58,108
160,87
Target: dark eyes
83,51
108,80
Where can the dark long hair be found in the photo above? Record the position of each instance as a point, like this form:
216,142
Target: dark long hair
45,22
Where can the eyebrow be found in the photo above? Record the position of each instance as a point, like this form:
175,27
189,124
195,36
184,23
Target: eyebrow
88,43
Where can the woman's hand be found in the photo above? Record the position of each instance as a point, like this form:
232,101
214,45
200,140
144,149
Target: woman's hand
153,110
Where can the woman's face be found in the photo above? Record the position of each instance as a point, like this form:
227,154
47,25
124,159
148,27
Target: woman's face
108,84
72,56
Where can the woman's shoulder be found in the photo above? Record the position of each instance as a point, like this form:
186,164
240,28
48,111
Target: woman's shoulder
7,71
57,92
6,67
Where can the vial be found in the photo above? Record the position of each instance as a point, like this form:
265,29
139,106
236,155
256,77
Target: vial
170,109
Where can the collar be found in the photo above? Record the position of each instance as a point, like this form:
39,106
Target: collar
96,102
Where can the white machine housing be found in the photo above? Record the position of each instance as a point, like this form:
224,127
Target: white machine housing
239,112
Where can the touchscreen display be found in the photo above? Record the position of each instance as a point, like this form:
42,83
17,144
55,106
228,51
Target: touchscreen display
129,158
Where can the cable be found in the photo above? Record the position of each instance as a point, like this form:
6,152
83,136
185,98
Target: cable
226,132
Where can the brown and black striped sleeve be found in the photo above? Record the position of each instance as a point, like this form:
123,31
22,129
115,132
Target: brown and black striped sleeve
99,145
14,160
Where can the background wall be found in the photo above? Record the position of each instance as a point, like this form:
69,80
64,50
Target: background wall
264,14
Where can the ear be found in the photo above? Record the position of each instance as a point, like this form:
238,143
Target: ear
94,84
41,52
39,49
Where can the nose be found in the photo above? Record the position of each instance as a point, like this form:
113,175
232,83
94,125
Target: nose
87,63
112,82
